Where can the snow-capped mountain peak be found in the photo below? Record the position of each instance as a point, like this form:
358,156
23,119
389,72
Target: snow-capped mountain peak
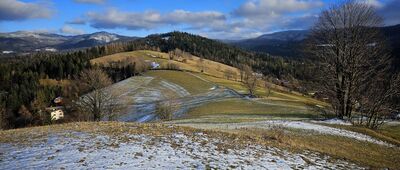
104,37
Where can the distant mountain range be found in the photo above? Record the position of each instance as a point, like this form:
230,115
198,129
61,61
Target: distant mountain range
286,43
24,41
289,43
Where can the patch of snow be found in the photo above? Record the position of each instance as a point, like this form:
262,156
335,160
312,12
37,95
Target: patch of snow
154,65
7,52
166,38
316,128
104,38
176,88
145,118
50,49
335,121
175,151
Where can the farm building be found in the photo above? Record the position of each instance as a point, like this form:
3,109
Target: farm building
57,114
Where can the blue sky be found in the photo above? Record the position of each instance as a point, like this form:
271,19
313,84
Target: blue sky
228,19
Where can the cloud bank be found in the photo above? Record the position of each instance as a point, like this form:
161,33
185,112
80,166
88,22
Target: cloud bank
14,10
71,31
249,19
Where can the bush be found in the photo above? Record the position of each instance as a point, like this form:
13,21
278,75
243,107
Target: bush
164,110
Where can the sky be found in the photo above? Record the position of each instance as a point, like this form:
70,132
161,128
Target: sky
220,19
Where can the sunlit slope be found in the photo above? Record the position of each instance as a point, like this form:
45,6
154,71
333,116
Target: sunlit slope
192,63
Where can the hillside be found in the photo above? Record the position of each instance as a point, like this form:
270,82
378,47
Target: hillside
286,44
223,53
189,63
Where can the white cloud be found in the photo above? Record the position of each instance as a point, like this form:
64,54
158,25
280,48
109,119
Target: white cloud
91,1
13,10
250,19
71,31
273,8
374,3
113,18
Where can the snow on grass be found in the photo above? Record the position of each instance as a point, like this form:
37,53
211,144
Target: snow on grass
328,130
334,121
76,150
296,125
176,88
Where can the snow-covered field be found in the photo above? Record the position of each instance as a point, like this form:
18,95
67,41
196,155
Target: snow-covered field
311,127
78,150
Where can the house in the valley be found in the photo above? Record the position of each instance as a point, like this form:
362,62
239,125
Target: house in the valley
57,114
154,65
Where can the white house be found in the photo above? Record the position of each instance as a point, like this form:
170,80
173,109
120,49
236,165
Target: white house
154,65
57,114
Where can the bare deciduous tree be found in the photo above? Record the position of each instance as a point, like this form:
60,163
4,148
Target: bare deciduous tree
230,74
268,87
100,101
2,114
165,110
351,51
201,65
376,104
249,79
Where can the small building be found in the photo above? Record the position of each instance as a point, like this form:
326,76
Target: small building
57,114
154,65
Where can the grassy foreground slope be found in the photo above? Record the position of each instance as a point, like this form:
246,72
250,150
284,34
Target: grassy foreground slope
128,145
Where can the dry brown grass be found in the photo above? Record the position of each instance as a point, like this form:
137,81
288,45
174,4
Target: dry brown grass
362,153
119,130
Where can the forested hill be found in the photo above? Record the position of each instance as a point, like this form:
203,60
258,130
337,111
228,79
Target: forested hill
199,46
286,43
274,66
392,33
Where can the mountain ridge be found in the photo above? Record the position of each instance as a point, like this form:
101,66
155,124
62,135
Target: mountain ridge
28,41
288,43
